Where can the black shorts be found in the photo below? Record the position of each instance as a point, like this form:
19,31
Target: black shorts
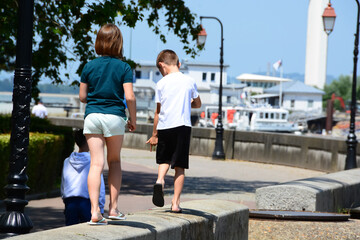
173,146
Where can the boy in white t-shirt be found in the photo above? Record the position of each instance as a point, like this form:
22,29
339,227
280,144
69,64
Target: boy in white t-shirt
175,95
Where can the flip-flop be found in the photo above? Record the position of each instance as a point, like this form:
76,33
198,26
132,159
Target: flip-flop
158,195
120,216
101,222
177,211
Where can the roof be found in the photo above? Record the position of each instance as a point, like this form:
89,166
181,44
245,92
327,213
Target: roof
229,86
142,83
294,87
260,78
260,96
184,63
206,64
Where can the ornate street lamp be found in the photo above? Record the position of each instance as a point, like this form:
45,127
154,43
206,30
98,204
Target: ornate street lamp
351,141
218,153
14,220
329,19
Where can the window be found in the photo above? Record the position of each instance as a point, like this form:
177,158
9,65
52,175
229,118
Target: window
310,103
261,115
292,103
228,99
277,116
283,116
204,77
137,74
266,115
271,115
213,77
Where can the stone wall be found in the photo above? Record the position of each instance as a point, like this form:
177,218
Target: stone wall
311,152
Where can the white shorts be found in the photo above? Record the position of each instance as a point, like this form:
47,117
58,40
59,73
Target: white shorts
106,124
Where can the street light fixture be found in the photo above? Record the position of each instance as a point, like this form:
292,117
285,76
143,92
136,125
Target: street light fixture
218,153
329,19
351,141
201,39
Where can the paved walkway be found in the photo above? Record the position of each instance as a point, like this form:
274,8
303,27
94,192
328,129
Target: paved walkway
227,180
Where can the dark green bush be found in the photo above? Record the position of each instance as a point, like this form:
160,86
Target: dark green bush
44,162
43,126
5,123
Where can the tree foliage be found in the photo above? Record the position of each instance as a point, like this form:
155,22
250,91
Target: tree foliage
342,87
64,30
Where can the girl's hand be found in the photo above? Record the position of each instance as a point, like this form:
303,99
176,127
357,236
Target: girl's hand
131,125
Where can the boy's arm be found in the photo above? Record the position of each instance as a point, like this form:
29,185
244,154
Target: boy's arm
196,102
154,138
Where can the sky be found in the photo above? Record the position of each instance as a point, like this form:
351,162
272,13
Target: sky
257,33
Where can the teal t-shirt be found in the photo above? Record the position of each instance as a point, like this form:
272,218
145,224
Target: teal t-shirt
105,77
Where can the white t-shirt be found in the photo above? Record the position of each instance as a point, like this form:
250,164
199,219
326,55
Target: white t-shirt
40,111
174,92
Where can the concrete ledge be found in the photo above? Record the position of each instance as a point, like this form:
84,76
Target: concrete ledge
328,193
201,219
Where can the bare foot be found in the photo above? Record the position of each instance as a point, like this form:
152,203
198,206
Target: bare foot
96,217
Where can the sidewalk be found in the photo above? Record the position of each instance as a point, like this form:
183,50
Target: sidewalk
206,179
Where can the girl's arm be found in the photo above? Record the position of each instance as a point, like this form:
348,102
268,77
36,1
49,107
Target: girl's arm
131,105
83,92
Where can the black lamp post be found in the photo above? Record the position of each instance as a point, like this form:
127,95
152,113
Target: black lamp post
351,141
14,220
218,153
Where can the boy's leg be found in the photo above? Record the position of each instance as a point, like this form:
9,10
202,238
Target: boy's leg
96,145
114,145
162,170
84,210
158,192
179,179
71,212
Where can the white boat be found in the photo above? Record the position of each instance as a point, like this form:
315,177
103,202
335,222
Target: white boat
265,119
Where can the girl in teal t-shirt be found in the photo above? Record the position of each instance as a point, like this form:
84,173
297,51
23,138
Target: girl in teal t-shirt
104,83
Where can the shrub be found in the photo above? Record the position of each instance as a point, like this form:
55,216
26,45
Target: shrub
43,126
44,161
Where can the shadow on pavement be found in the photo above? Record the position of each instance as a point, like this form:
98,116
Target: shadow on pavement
45,218
140,183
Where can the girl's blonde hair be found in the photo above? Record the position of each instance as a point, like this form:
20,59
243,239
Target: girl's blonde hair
109,41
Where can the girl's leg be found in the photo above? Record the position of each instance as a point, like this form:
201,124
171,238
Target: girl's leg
114,145
179,179
96,145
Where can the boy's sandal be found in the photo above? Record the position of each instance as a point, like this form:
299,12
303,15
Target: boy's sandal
158,195
175,211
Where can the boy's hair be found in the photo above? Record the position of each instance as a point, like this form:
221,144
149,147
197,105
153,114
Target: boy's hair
168,57
109,41
80,138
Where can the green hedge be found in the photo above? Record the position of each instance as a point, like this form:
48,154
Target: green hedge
44,163
43,126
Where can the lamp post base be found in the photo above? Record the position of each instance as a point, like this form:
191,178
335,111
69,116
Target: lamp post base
15,222
350,161
218,153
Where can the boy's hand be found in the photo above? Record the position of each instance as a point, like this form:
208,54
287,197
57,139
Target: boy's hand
153,142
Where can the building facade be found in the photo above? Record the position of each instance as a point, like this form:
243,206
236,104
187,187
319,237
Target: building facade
206,76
